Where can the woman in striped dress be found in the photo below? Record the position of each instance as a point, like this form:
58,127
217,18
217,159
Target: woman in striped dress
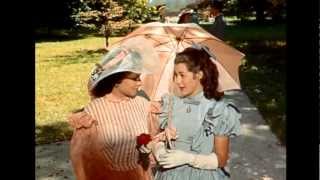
103,145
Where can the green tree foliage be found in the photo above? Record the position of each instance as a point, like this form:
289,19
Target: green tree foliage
101,12
139,12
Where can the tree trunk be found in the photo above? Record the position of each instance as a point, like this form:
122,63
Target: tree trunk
107,33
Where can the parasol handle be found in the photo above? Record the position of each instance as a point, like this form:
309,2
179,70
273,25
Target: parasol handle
170,144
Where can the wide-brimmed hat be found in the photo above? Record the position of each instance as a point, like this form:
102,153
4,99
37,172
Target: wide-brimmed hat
136,56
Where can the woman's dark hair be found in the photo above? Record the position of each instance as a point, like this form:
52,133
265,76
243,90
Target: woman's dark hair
198,60
106,85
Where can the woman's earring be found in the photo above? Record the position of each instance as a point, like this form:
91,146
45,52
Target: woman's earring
200,75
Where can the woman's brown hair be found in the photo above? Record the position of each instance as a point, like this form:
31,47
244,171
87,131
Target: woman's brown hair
199,60
106,85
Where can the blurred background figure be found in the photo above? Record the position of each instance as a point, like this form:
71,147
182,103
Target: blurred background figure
188,16
218,27
176,11
162,10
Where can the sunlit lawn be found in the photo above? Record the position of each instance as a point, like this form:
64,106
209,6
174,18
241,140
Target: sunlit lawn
62,70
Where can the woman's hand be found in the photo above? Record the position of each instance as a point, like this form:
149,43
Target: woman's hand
144,149
155,107
174,158
167,134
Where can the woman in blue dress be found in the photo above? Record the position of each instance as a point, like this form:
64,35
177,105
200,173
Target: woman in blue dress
203,119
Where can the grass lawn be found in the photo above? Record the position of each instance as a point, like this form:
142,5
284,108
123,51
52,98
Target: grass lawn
62,69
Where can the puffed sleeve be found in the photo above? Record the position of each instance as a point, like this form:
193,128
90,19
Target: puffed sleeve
163,116
83,145
223,119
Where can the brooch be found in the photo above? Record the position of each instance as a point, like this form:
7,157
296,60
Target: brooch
188,109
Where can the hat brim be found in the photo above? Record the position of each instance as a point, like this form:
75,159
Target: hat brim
108,74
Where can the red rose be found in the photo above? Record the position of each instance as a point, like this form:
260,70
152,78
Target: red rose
143,139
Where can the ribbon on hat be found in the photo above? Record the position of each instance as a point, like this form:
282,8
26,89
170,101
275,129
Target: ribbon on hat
99,68
123,53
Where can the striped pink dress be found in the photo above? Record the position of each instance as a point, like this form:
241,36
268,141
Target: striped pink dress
103,145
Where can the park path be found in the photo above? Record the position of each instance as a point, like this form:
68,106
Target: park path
256,153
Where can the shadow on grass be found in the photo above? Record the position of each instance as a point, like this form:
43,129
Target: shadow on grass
43,35
251,31
54,132
263,78
78,57
56,37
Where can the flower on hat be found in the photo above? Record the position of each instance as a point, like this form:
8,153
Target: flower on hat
96,72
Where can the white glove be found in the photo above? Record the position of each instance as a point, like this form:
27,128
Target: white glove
143,149
174,158
209,161
158,149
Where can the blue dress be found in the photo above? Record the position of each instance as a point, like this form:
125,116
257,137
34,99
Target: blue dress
197,121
